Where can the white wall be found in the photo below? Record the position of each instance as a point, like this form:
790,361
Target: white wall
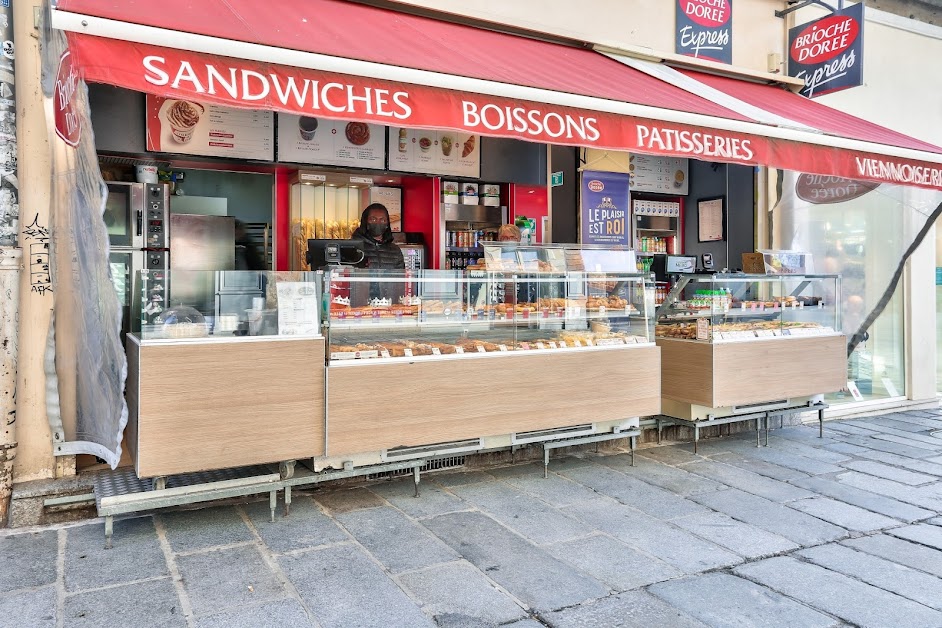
619,23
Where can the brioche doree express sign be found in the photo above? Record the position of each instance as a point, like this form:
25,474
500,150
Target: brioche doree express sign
248,84
828,53
704,29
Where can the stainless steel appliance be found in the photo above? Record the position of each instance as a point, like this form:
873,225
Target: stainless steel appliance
137,218
200,244
462,230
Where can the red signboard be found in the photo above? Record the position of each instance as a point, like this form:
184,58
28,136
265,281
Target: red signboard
68,125
204,78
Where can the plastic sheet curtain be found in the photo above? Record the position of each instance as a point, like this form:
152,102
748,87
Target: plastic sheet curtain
90,365
865,234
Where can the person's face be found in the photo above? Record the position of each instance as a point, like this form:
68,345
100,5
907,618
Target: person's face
376,222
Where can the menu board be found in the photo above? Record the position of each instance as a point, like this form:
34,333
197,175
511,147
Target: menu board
307,140
435,152
665,175
193,128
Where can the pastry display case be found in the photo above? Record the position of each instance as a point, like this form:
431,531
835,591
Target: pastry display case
210,391
416,359
734,342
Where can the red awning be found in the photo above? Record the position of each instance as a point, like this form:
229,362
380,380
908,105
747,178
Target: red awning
345,60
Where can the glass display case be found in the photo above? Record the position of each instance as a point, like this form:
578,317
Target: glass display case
243,303
738,307
375,315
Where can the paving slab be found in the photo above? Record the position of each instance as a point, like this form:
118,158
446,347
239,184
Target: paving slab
909,583
217,581
29,559
634,609
341,586
903,425
458,594
920,466
903,417
673,479
433,500
35,608
844,515
887,446
675,546
529,573
189,530
135,555
761,467
928,449
460,478
865,499
843,427
768,515
744,539
671,454
889,488
901,552
633,492
837,594
846,448
722,600
280,613
555,489
612,562
921,533
153,603
525,623
347,500
887,472
396,541
749,482
531,518
306,526
805,449
788,459
916,439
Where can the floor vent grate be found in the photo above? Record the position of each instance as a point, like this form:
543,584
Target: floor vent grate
441,464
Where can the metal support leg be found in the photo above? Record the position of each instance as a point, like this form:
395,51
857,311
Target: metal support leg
758,430
766,429
416,478
658,431
696,437
287,500
545,463
109,531
821,423
273,503
631,444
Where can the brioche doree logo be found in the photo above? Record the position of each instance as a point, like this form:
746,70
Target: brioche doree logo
709,13
68,125
595,185
825,39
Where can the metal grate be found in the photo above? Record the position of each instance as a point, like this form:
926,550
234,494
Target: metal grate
126,482
441,464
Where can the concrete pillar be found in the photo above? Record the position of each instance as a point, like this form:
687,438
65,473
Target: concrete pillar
34,458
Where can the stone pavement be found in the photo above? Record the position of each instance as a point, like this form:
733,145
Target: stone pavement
844,530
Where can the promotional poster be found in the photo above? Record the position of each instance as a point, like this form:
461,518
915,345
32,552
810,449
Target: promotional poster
605,203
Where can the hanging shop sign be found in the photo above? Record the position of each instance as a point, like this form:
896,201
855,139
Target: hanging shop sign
827,54
704,29
245,84
68,125
824,190
663,175
604,207
190,127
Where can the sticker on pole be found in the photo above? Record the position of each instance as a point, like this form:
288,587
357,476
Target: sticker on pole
68,125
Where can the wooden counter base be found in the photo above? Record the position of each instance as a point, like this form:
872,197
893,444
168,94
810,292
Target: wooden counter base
373,407
214,405
738,373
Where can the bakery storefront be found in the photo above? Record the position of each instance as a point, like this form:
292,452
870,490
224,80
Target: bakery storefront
520,319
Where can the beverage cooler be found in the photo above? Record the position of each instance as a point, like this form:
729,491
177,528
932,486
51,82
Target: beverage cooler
657,232
464,230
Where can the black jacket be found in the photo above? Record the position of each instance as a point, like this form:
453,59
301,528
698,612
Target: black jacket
383,255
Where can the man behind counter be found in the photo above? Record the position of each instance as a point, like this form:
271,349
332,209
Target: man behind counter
375,239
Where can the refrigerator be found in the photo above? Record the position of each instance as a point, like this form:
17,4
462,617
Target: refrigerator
200,244
137,219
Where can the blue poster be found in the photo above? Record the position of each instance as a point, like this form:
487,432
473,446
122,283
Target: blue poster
704,29
827,54
604,202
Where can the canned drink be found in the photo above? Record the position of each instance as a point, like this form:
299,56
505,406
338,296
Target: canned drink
477,237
